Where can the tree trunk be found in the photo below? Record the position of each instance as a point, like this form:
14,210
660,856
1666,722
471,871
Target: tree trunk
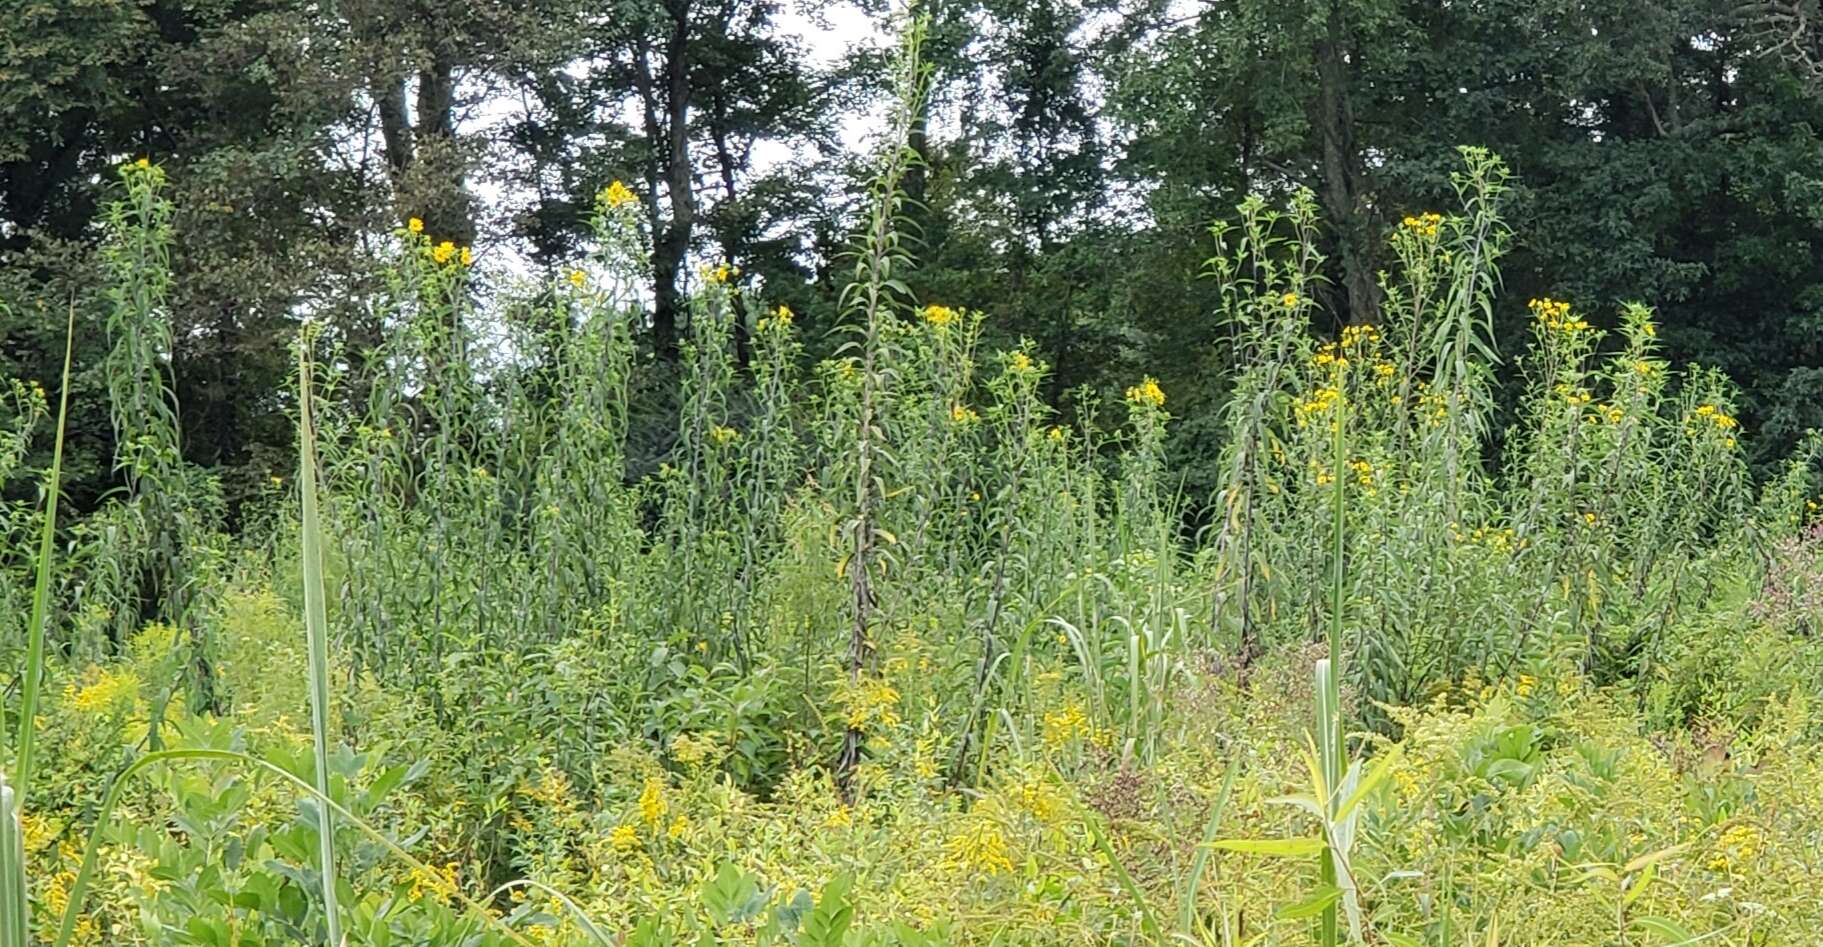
667,126
1343,195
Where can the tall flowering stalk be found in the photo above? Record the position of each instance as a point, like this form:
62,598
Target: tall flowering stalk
877,289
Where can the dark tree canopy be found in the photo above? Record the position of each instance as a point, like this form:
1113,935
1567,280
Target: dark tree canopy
1075,153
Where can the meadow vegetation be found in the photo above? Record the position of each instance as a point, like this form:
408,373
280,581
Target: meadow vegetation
887,651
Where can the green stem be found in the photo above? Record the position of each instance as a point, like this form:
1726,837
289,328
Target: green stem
41,592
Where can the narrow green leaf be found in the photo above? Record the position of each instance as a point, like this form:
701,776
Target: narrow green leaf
1324,897
1274,847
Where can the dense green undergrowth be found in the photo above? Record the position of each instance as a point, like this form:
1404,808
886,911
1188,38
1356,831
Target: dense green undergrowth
885,651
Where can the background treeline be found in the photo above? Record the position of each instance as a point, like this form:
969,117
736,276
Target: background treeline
1077,150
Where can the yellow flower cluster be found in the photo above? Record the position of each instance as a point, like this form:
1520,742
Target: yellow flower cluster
1061,727
443,253
779,320
978,848
868,703
1498,539
1716,419
1358,335
940,316
1288,300
1423,225
1364,472
1146,393
1321,401
1020,363
615,196
1716,416
552,788
1056,434
723,436
56,897
433,880
1574,397
1433,406
107,690
1036,796
962,415
720,274
579,279
1740,842
36,833
624,838
1555,315
652,804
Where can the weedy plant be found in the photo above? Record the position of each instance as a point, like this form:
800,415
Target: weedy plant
882,648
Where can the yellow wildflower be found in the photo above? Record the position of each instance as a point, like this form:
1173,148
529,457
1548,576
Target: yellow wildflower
1019,364
978,848
678,827
1740,842
467,257
869,703
939,316
616,195
107,690
433,880
415,225
1063,726
578,279
1320,402
723,436
652,805
1146,393
624,838
1289,300
1555,314
1423,225
443,252
1038,798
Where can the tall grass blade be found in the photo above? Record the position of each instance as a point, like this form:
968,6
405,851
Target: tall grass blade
41,591
15,919
316,626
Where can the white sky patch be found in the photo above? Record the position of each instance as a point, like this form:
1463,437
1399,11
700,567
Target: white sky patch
826,32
